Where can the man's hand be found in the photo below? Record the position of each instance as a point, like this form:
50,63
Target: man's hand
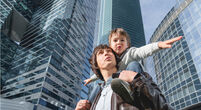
87,81
168,43
127,76
83,105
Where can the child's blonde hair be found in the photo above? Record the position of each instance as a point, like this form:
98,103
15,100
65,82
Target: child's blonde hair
119,32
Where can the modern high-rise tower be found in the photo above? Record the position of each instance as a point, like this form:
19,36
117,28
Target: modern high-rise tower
124,14
178,69
45,46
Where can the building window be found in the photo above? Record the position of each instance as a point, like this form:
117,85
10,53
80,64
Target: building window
191,88
181,75
185,91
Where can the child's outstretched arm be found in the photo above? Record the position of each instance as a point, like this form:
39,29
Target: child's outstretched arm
91,79
148,50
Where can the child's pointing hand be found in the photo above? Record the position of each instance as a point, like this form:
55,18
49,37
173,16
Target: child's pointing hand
168,43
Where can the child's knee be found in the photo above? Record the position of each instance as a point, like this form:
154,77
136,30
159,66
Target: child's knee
134,63
134,66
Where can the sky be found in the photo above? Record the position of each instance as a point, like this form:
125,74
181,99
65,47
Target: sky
153,12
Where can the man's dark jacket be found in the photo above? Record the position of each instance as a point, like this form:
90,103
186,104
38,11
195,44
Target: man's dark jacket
147,96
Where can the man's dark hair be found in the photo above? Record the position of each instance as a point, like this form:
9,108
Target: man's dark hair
93,61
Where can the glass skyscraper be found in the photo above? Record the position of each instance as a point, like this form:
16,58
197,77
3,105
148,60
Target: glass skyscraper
124,14
178,70
45,46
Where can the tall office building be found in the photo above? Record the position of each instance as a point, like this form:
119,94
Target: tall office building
45,46
178,70
124,14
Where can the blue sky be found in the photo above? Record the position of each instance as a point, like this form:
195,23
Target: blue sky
153,12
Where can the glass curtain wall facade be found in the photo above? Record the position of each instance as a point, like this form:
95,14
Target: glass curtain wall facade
8,46
48,64
178,70
124,14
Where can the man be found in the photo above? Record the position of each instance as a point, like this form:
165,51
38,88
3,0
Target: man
146,94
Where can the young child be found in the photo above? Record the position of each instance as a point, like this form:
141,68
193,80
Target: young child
128,56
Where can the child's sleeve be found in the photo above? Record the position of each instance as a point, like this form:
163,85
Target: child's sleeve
93,78
144,51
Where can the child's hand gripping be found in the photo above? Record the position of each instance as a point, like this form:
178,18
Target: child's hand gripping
87,81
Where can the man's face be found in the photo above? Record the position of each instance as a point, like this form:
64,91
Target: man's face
118,43
105,59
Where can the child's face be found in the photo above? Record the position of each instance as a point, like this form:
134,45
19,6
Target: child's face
118,43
